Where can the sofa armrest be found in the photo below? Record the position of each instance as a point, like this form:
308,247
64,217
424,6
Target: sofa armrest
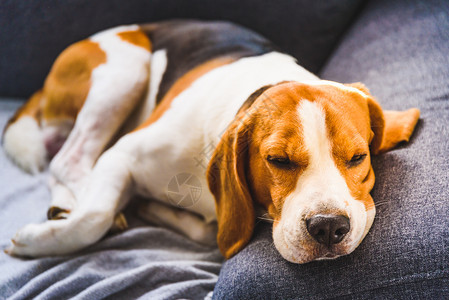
34,33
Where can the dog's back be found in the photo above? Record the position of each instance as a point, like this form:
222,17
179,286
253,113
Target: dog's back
175,47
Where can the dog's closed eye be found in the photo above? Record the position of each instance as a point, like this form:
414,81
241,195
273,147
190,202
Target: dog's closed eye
356,160
281,162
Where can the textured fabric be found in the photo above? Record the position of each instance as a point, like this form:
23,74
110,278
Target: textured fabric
400,50
143,262
33,33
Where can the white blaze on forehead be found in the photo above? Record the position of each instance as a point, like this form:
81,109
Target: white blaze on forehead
321,182
316,141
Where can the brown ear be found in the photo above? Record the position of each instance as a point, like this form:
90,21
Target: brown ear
227,182
399,126
389,127
377,125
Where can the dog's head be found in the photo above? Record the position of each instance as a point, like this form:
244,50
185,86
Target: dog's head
303,151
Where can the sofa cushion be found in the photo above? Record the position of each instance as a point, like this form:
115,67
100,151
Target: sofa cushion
400,50
34,33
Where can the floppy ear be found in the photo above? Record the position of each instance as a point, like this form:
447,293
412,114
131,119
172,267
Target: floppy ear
227,182
399,126
389,127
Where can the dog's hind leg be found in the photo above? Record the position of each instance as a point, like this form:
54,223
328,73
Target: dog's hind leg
91,89
116,86
116,81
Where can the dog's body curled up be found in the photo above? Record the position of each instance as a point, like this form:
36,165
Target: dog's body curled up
127,110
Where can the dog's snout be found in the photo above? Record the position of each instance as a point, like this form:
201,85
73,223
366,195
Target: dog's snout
328,229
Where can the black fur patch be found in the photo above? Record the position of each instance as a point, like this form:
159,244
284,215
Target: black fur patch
191,43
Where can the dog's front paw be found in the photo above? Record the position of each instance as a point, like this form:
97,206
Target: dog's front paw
22,242
60,237
34,240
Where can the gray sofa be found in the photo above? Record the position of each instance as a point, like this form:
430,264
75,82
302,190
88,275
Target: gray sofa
399,49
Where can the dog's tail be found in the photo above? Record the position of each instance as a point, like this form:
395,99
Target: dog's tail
23,139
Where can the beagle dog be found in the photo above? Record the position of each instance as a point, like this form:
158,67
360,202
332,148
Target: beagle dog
129,109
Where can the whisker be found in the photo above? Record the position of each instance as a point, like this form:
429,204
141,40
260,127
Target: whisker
382,203
266,219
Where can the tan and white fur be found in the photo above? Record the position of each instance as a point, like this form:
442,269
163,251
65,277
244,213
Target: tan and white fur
128,134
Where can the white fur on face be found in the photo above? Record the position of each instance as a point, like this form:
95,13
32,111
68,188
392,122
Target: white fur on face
321,189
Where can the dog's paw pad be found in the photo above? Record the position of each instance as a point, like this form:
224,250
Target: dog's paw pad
120,223
57,213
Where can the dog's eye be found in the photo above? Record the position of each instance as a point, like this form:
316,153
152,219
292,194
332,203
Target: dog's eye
279,161
356,160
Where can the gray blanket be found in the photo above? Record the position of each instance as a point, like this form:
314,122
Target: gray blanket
143,262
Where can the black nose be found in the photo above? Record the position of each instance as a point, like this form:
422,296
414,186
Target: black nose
328,229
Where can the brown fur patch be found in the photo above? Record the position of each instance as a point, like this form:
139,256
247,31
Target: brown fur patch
226,176
69,81
136,37
182,84
277,133
399,126
351,121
